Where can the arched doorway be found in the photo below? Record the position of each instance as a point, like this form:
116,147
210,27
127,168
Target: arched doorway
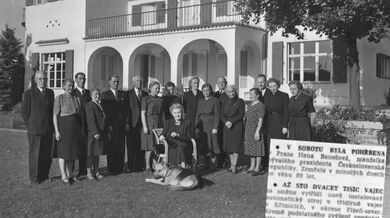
203,58
102,64
151,62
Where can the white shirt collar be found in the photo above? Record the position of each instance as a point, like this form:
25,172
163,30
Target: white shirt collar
263,91
40,89
80,89
113,91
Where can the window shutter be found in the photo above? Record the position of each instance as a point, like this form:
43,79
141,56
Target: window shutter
172,13
277,60
69,64
153,66
136,15
205,12
221,9
339,61
29,2
160,6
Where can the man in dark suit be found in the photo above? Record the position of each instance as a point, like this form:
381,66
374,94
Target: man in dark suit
223,159
135,156
37,112
114,105
261,83
85,97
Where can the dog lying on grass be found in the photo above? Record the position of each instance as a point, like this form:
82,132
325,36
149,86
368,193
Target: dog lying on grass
177,178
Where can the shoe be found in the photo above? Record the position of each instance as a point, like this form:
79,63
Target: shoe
128,171
91,178
99,176
65,181
34,182
255,173
72,180
250,171
148,170
234,169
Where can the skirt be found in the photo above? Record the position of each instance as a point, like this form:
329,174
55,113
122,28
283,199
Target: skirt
68,146
179,153
209,142
233,138
300,129
275,126
148,140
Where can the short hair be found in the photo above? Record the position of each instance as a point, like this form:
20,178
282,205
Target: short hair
136,77
65,81
153,84
113,76
262,75
79,73
207,85
256,90
223,77
175,106
297,83
190,81
39,72
94,90
273,80
231,86
169,84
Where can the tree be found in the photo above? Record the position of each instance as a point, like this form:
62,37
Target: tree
347,20
11,65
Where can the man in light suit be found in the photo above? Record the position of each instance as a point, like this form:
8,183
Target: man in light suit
84,96
37,112
135,155
114,105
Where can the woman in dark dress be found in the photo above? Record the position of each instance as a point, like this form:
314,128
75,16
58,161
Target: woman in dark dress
152,116
178,133
254,140
191,99
277,111
169,99
206,123
232,114
67,125
301,112
96,134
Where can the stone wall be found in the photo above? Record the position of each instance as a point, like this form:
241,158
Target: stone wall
365,133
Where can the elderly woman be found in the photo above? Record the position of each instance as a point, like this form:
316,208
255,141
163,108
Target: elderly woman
67,127
178,133
277,111
232,114
96,134
254,140
191,99
169,98
206,123
152,116
301,112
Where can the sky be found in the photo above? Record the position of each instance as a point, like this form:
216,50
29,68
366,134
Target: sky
11,13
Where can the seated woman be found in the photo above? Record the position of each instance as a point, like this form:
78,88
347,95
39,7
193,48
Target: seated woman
178,133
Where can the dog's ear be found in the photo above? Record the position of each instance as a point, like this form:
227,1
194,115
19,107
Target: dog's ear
154,164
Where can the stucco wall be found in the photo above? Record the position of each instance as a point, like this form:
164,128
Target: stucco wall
104,8
43,24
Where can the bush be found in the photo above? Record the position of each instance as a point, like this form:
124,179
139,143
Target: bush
329,131
339,112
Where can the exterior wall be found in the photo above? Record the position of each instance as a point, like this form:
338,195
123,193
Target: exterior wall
375,89
103,8
173,43
43,24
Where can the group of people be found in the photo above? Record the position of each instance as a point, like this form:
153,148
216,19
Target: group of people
89,123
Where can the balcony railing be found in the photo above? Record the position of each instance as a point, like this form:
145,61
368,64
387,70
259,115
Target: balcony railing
160,19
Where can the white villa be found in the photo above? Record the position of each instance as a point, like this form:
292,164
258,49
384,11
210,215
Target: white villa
172,40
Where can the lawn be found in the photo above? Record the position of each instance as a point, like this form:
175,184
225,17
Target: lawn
126,195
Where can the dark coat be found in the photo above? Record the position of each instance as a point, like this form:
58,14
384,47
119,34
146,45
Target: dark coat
37,111
263,97
190,104
95,119
84,99
134,107
115,110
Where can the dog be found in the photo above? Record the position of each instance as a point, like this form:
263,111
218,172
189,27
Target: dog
177,178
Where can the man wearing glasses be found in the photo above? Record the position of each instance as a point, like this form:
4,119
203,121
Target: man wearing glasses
37,112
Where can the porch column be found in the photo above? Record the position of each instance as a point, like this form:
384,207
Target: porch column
233,63
174,65
126,84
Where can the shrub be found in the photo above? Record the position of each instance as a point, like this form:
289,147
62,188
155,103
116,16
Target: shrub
329,131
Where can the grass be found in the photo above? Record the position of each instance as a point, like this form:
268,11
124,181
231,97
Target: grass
126,195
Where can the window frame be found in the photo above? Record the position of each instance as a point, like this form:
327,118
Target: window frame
382,68
301,56
54,62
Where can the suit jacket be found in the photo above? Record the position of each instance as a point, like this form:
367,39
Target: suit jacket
190,104
221,97
134,107
115,110
95,118
84,99
37,111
